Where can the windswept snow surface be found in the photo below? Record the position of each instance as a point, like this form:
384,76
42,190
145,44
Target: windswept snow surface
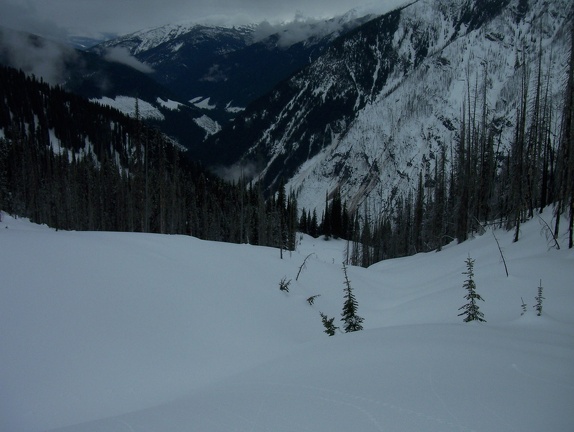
138,332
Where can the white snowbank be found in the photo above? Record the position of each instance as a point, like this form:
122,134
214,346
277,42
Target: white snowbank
139,332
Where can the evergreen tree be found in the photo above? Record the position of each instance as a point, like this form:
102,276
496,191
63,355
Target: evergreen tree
523,306
291,212
462,183
3,173
330,327
565,162
326,224
336,215
539,298
418,216
366,238
470,310
281,209
438,221
352,321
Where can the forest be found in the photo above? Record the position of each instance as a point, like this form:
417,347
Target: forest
486,185
111,172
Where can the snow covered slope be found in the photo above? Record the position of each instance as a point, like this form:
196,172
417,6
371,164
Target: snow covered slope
138,332
384,100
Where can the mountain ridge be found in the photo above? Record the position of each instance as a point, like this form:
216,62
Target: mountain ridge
215,65
433,45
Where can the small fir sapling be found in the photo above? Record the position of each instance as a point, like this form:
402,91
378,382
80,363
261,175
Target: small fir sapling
349,315
523,306
284,284
470,310
539,298
330,327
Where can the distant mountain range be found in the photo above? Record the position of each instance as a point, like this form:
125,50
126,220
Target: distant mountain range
223,69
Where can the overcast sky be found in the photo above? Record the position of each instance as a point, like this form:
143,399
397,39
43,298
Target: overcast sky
90,17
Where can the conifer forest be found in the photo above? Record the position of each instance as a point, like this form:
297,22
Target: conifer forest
114,173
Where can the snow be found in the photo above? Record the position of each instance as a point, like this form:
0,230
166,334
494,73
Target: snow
139,332
404,127
202,103
177,47
169,104
233,109
127,105
208,124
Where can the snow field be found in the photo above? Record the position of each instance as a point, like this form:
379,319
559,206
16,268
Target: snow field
141,332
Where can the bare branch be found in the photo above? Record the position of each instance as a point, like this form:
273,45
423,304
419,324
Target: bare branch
497,244
549,233
303,265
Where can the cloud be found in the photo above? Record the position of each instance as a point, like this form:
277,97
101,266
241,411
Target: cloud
299,29
32,43
27,19
89,17
34,55
123,56
245,170
214,74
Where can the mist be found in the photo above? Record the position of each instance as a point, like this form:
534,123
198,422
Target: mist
35,55
292,32
123,56
245,170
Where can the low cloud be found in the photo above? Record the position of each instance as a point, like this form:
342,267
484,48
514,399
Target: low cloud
25,18
246,170
299,29
34,55
123,56
214,74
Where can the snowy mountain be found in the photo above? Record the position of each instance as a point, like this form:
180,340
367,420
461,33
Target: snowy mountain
386,99
113,79
214,66
133,332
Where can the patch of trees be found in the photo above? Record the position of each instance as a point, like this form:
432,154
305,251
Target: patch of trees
75,165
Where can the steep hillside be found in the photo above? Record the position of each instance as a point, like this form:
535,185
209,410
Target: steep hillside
386,99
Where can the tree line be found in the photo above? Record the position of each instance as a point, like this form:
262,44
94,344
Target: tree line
76,165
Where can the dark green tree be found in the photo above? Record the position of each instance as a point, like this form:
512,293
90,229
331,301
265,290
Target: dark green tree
330,327
470,310
539,298
352,321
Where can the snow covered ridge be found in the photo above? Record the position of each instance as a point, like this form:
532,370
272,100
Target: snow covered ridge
290,31
147,39
117,331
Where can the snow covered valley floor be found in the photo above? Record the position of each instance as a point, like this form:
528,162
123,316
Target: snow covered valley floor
121,332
